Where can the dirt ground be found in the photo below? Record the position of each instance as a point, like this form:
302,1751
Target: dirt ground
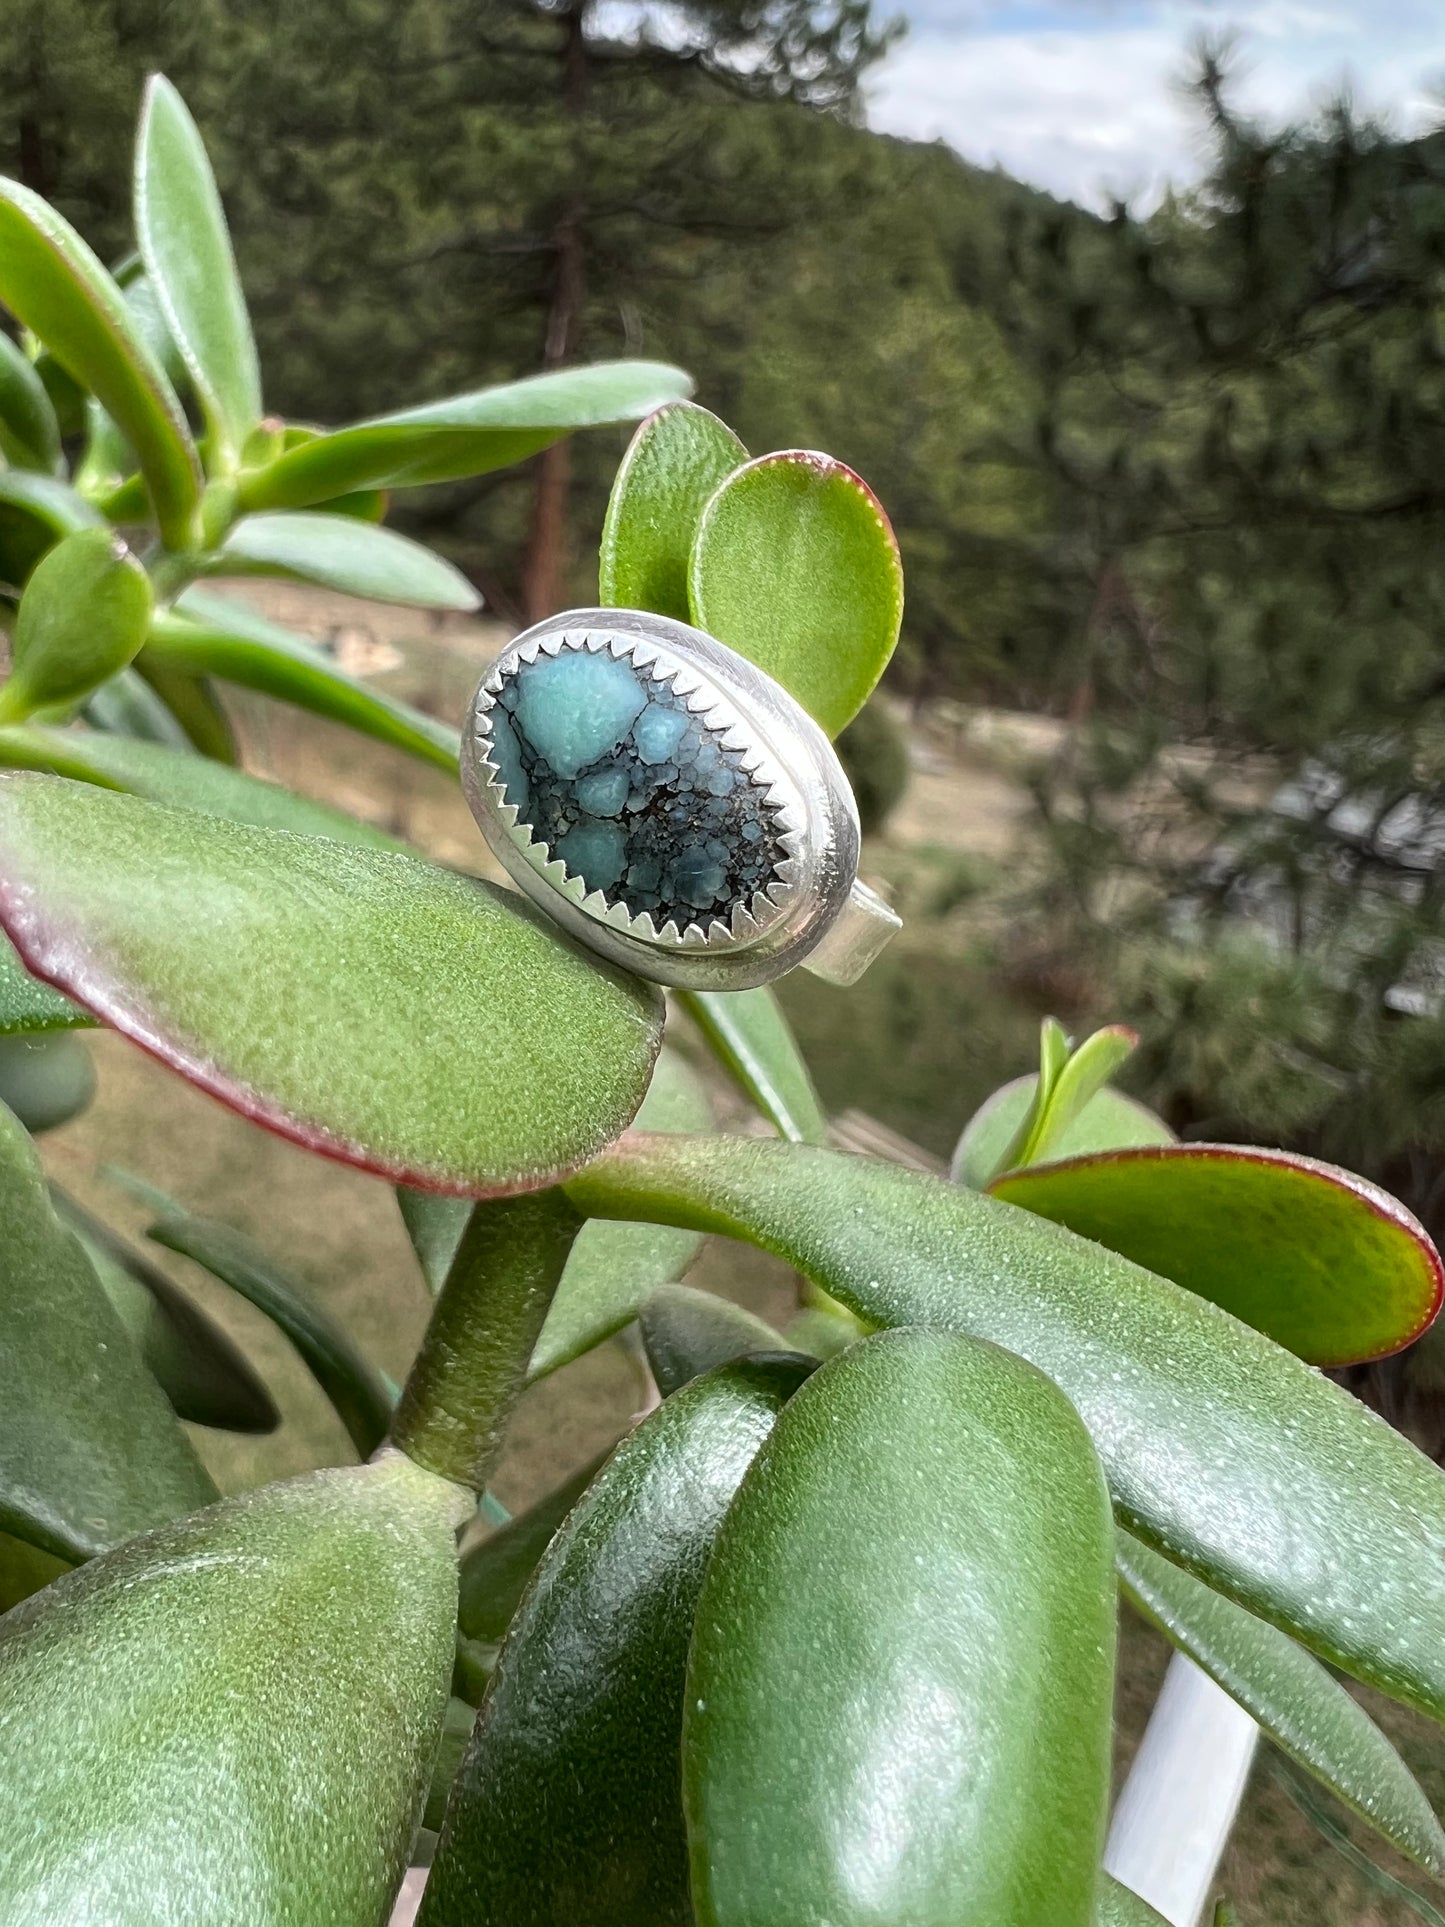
341,1233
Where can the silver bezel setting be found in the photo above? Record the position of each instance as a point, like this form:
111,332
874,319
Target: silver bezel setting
783,751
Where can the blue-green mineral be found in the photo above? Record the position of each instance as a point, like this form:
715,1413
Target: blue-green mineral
612,771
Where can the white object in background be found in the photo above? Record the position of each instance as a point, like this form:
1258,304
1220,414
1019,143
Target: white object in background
409,1899
1173,1817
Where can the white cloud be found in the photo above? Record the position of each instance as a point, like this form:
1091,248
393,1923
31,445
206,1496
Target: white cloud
1082,96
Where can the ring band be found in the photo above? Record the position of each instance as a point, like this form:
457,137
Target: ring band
669,804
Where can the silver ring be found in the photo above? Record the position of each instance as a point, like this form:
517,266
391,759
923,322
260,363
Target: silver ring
669,804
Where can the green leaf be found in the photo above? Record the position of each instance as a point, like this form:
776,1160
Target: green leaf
686,1332
795,566
36,512
206,1377
217,946
243,1707
1223,1451
51,281
178,778
496,1573
469,434
128,706
89,1450
195,703
1109,1121
1321,1815
1120,1908
1073,1084
910,1604
29,1007
45,1080
338,552
181,229
83,616
1301,1707
208,636
674,463
611,1267
614,1267
569,1792
29,432
358,1393
24,1569
753,1041
1326,1263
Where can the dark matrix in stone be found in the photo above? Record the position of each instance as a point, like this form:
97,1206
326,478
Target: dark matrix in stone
610,769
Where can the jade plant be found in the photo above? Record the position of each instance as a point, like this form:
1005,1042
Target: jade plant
829,1637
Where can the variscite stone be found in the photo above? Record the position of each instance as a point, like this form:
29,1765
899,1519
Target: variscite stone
609,768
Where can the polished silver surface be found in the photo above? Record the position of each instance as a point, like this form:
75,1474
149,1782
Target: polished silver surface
813,910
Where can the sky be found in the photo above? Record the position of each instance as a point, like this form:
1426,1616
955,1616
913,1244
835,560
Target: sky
1081,96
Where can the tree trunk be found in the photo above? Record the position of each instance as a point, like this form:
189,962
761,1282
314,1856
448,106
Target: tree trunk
545,571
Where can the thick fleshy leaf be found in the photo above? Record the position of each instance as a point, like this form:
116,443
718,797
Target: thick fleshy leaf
338,552
497,1572
1223,1451
89,1450
613,1267
196,705
216,946
52,282
45,1080
911,1604
686,1332
82,618
177,778
796,567
1298,1703
36,512
569,1794
1068,1081
128,706
29,1007
754,1043
181,229
242,1707
207,635
24,1569
1326,1263
1109,1121
29,432
463,435
357,1391
203,1373
674,464
1120,1908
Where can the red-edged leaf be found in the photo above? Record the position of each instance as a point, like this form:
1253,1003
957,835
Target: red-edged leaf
1326,1263
374,1008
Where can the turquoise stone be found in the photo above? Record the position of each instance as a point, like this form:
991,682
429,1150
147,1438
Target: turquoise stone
576,707
506,753
604,792
596,852
636,794
658,732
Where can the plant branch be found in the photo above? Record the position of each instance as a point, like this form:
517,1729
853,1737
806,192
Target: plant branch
473,1362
